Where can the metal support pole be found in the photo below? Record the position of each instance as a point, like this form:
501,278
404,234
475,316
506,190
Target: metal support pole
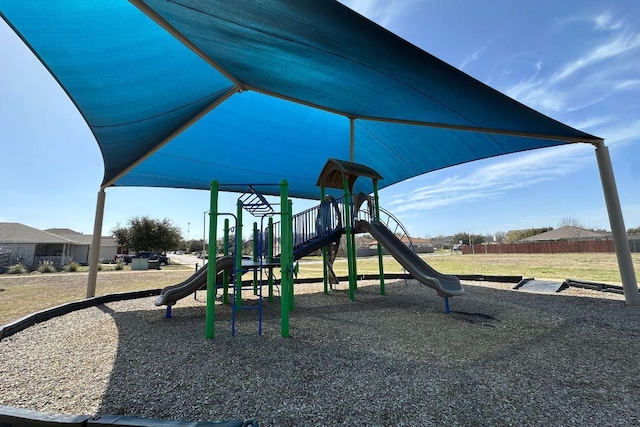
238,256
620,239
292,304
286,257
225,273
94,254
325,273
210,315
376,201
270,256
255,258
348,232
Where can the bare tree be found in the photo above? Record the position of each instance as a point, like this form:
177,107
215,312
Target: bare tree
499,236
570,222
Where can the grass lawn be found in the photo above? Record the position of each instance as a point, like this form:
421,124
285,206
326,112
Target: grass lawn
24,294
28,293
595,267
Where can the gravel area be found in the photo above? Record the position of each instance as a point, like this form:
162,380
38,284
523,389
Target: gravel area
502,357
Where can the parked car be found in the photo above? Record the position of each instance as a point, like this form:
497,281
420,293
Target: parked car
152,256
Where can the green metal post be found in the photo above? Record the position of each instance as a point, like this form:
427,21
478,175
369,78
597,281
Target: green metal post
225,273
347,215
270,257
325,273
354,260
211,271
286,257
255,257
238,256
377,218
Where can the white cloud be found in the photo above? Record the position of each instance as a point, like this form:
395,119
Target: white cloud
628,84
383,12
595,122
619,134
537,94
469,59
495,179
614,47
604,21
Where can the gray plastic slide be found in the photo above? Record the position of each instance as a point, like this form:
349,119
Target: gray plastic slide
445,285
173,293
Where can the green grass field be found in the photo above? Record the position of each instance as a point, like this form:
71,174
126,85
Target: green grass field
24,294
595,267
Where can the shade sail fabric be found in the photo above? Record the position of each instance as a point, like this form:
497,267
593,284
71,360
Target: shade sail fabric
257,91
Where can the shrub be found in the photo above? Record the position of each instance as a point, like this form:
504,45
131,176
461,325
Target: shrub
119,266
72,266
17,269
46,267
99,267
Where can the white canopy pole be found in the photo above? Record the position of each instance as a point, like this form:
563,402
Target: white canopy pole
620,239
94,253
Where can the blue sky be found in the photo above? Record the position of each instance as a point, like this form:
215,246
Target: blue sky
577,61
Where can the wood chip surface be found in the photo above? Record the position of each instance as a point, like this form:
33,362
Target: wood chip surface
502,357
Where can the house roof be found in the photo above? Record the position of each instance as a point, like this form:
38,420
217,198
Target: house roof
13,232
67,233
415,240
108,241
364,241
81,238
180,93
567,233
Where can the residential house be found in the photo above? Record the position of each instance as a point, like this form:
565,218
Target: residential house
31,246
367,246
568,233
60,246
108,245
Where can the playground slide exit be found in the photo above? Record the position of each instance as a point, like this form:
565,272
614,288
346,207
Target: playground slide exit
173,293
445,285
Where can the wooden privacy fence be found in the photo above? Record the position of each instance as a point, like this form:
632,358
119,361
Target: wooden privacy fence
551,247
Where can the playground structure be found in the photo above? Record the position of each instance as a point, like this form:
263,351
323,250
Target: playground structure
281,244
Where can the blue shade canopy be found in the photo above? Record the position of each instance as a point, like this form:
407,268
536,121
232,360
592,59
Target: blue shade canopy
178,93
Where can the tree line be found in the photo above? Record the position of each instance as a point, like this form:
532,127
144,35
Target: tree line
161,235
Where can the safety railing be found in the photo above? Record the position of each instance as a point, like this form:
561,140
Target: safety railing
366,212
321,220
312,224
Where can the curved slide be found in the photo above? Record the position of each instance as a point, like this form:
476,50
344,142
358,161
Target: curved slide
173,293
445,285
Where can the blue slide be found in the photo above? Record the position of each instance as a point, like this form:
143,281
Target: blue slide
445,285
